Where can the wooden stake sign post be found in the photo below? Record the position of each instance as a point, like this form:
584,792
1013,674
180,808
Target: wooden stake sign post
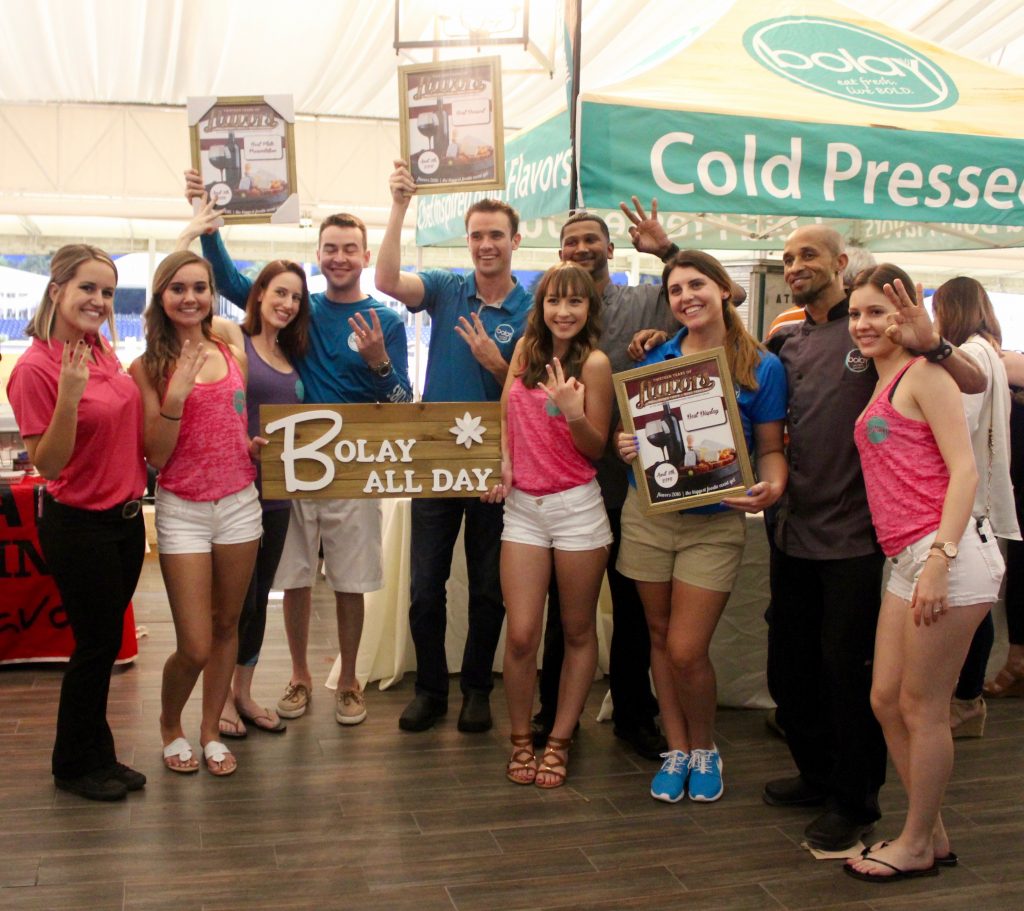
437,449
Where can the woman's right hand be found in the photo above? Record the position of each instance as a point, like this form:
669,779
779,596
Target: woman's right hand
628,447
74,372
183,380
499,492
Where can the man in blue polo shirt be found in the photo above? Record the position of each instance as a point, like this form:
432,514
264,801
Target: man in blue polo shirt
476,320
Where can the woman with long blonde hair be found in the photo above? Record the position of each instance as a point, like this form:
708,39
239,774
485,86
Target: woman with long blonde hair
80,416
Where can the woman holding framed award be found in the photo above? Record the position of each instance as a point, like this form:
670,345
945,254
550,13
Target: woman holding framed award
921,478
685,563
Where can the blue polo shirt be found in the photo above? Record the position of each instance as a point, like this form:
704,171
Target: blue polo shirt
332,369
453,374
763,405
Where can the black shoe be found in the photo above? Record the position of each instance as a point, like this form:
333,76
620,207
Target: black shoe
475,717
792,792
422,712
645,739
132,780
93,786
833,831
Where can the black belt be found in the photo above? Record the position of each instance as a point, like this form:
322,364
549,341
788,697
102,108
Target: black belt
127,510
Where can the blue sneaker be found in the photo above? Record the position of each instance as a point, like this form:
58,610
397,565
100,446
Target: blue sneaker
706,775
670,783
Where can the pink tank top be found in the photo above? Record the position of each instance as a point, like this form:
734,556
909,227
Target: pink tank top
211,459
544,458
904,473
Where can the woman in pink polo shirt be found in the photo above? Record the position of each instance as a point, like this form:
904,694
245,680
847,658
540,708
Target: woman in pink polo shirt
207,509
80,416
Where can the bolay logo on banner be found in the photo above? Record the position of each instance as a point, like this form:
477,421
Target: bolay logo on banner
849,62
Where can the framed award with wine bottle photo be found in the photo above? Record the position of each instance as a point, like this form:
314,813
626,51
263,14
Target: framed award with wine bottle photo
684,414
244,148
450,124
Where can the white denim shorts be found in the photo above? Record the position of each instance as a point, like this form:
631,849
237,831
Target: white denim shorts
193,527
573,519
350,531
974,576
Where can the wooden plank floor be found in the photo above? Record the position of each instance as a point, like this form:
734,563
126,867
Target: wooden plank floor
372,818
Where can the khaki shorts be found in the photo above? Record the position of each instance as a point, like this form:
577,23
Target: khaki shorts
703,550
351,534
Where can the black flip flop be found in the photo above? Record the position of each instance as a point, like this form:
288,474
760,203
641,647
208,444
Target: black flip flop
948,860
895,876
278,728
232,734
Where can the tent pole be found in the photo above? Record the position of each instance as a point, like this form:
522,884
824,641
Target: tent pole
574,34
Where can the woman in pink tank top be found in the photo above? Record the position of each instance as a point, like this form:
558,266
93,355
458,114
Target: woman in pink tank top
920,477
208,512
556,412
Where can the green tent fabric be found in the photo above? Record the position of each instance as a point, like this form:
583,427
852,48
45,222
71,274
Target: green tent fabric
807,113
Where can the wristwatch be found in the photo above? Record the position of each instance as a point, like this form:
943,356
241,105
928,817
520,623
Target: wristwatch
383,369
947,548
939,353
672,250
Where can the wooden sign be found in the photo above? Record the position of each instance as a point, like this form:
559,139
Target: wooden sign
685,417
435,449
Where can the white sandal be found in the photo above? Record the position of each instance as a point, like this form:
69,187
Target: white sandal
215,751
180,749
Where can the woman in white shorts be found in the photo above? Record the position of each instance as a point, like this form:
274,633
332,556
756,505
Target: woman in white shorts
208,515
920,476
556,410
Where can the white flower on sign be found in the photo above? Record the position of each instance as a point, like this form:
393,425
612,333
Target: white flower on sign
467,430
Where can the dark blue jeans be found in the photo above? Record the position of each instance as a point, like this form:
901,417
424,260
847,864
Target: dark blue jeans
435,528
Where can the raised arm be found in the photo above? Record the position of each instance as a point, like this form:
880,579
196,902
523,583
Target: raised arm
51,450
161,421
389,277
912,327
230,283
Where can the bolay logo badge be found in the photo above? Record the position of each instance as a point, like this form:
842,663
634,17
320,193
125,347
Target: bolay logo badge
846,61
855,361
503,334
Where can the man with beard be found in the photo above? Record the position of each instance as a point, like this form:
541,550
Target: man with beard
826,571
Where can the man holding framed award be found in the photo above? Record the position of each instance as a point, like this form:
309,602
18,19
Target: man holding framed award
476,321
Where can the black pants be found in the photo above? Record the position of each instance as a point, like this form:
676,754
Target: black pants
1014,594
95,561
821,638
252,622
630,653
435,529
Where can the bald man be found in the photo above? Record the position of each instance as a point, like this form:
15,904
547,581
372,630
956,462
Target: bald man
826,571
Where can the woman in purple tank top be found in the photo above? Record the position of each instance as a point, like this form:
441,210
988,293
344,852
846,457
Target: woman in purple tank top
274,334
920,477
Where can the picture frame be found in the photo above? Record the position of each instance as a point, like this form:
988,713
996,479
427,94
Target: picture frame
244,148
451,126
686,419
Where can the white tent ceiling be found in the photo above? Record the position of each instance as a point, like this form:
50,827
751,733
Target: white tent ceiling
92,94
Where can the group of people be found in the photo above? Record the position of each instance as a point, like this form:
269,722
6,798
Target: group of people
864,369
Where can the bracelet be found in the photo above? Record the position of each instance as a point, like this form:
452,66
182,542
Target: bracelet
582,417
672,251
939,353
939,553
169,417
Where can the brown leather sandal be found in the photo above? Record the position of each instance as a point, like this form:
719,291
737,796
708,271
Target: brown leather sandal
1008,682
557,765
522,764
